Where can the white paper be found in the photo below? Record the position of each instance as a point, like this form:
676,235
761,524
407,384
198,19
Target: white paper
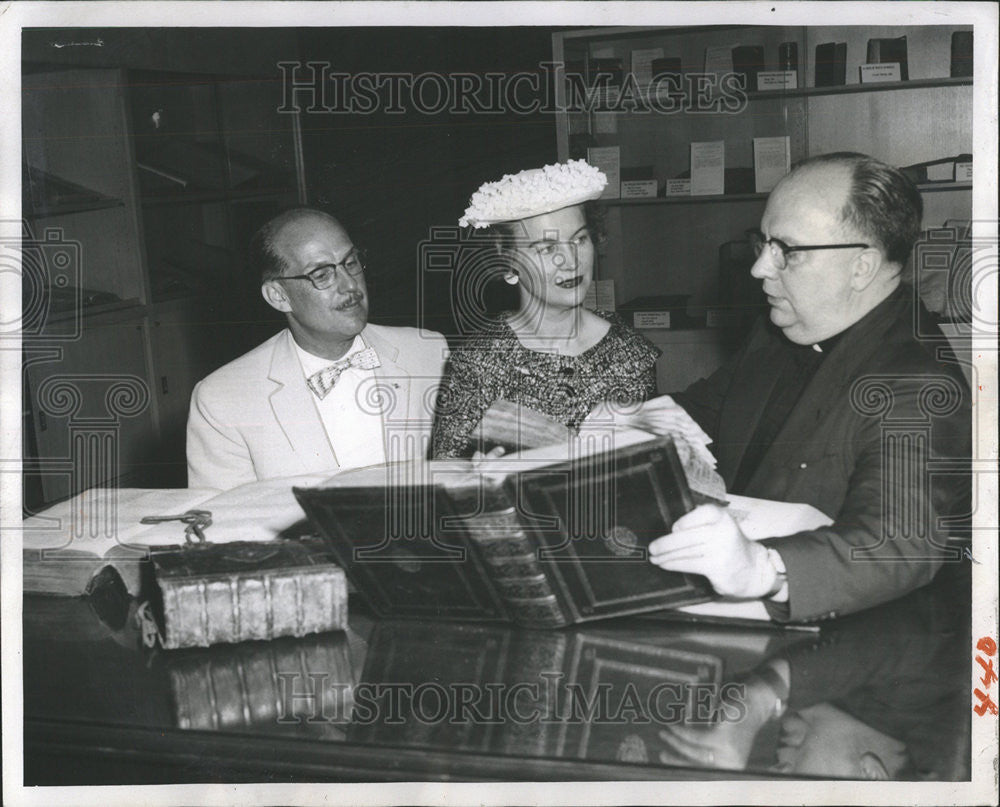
639,189
771,161
876,73
608,159
642,65
777,80
708,168
677,187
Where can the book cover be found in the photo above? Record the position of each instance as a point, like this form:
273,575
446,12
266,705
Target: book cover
204,594
748,61
961,54
547,537
831,64
889,51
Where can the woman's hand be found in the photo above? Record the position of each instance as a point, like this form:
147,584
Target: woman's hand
660,415
478,457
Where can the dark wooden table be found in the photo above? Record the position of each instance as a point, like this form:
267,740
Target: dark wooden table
638,698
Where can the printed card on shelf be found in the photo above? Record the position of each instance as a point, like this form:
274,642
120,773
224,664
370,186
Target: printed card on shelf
708,168
608,159
771,161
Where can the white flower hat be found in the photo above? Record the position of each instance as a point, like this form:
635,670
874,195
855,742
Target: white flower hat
533,192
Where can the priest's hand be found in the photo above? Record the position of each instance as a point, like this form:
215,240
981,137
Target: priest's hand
708,541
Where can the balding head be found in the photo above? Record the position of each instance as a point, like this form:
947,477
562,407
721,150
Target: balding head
881,205
268,253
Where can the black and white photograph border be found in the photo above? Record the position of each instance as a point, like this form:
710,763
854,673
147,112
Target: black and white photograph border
464,92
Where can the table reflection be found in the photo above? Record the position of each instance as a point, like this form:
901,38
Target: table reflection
882,694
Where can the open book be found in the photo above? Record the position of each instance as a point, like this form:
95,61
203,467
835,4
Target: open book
546,537
65,546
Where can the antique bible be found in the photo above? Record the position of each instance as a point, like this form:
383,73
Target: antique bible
545,537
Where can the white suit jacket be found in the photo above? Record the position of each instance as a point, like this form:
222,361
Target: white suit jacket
255,418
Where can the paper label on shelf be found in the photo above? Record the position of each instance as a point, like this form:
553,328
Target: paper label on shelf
778,80
708,168
963,172
642,65
600,296
771,161
875,73
678,187
608,159
941,172
639,189
651,319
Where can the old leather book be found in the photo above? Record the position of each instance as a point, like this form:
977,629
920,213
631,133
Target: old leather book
208,593
545,538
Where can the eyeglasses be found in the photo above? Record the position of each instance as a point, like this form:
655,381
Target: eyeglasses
322,277
780,250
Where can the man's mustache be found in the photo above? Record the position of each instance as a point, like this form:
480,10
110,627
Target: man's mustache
352,299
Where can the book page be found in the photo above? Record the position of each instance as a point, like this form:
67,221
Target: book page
100,518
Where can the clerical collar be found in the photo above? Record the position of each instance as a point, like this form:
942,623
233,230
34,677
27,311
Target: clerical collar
828,344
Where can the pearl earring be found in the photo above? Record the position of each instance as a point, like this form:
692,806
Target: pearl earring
511,279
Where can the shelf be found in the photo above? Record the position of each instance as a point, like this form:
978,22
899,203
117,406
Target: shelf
778,95
931,187
68,208
45,195
849,89
93,310
927,187
204,197
687,200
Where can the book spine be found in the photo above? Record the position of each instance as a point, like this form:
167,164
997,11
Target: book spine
513,564
199,612
258,685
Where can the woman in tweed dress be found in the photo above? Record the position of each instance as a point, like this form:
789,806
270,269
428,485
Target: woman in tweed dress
551,355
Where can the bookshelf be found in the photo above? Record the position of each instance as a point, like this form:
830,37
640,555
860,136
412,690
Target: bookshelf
673,245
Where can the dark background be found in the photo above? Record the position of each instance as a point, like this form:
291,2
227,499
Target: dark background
389,177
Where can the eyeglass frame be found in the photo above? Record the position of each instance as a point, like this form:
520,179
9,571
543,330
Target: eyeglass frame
756,236
356,252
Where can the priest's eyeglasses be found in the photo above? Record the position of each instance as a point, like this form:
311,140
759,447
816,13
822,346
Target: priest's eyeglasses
322,277
780,250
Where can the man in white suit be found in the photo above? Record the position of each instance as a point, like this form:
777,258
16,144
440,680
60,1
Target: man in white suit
330,391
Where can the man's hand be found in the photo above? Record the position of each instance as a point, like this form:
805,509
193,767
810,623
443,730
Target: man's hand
707,541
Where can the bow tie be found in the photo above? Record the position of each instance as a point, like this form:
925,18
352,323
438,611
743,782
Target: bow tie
322,381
